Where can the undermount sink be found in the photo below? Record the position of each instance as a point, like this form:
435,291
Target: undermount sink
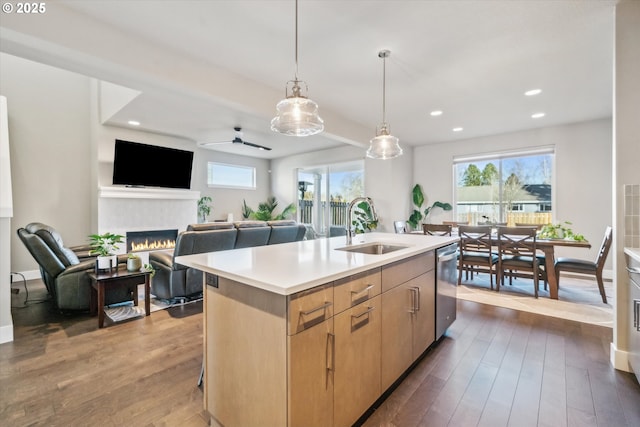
372,248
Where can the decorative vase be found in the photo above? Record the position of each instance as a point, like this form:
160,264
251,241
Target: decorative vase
106,262
134,264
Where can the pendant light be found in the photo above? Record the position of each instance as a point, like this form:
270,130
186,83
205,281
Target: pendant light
384,145
297,114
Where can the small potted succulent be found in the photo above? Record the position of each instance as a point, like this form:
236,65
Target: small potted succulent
105,246
134,262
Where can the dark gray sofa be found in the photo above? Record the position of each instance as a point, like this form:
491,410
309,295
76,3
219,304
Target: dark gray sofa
173,280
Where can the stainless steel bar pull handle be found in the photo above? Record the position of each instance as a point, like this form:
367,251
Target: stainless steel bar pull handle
367,289
417,298
636,314
414,304
331,340
367,311
313,310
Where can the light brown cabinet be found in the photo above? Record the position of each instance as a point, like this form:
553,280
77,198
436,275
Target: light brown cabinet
408,313
310,373
357,357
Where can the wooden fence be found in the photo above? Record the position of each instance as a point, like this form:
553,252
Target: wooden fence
338,211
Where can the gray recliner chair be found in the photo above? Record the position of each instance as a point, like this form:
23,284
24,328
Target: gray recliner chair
65,276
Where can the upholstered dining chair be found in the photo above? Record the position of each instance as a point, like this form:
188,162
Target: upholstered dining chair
476,251
593,268
517,255
437,229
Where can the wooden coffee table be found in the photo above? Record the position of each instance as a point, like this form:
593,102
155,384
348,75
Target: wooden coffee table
122,278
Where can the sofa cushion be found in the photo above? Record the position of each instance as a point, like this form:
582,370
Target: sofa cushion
250,224
53,239
282,222
210,226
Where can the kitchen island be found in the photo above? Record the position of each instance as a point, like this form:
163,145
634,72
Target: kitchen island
308,333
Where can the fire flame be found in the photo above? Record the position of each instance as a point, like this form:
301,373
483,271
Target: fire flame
150,246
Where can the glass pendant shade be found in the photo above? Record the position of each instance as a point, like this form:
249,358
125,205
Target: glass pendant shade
297,115
384,146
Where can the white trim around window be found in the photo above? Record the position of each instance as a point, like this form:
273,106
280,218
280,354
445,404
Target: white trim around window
224,175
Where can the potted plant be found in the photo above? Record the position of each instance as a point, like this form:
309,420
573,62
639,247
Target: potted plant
204,209
418,200
134,262
559,231
105,246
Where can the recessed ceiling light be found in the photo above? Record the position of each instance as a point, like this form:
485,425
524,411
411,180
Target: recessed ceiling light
436,113
537,115
533,92
457,129
134,122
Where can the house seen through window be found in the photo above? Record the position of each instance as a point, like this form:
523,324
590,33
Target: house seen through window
505,188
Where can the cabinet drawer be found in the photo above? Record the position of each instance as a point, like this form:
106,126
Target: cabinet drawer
407,269
309,308
353,290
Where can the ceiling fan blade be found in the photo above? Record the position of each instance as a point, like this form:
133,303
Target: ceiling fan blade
261,147
202,144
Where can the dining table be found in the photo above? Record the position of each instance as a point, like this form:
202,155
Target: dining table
547,246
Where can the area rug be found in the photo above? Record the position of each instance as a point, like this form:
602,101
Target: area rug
578,299
127,311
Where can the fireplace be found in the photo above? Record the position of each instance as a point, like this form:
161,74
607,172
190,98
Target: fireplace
151,240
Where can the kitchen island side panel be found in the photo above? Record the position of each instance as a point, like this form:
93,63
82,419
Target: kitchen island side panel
246,351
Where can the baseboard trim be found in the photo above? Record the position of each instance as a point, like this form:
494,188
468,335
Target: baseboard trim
619,359
6,333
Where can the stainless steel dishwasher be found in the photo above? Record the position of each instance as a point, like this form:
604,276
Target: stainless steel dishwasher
446,287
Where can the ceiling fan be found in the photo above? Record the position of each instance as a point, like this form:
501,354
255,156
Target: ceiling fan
237,140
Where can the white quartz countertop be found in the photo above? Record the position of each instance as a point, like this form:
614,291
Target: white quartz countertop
633,253
288,268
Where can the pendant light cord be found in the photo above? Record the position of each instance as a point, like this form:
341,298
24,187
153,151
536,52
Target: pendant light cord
296,45
384,88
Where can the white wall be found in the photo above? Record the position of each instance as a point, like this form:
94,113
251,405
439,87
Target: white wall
626,159
582,170
387,182
50,153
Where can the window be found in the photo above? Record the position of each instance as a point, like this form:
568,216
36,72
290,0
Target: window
325,193
506,188
231,176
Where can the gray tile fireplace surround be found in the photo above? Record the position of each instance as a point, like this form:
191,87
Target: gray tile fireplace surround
632,215
123,209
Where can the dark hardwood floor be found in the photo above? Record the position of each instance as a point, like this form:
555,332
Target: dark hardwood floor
495,367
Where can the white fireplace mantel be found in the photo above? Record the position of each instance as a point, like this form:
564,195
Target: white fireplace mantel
147,193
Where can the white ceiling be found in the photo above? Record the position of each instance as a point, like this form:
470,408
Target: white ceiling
206,66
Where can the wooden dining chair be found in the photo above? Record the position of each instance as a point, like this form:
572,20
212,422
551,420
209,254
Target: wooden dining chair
517,255
476,251
437,229
583,266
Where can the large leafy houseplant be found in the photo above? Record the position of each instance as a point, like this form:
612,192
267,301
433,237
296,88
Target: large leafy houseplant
418,200
204,208
265,211
363,219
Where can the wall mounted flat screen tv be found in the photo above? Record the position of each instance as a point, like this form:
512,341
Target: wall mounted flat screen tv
144,165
